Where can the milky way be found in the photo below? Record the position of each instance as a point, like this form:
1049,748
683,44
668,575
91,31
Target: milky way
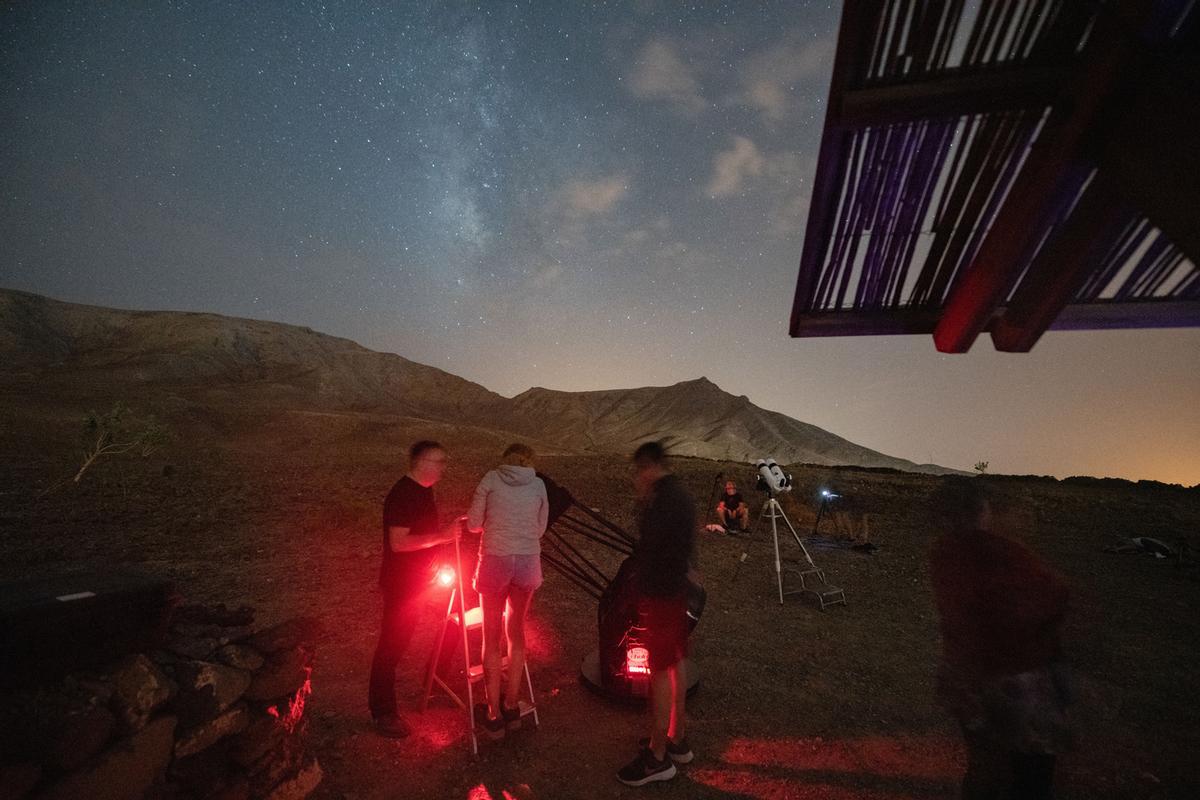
523,194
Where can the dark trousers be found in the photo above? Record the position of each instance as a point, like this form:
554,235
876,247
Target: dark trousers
400,616
992,769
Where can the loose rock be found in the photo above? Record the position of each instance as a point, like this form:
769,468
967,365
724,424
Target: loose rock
232,721
139,687
242,656
300,785
280,677
206,690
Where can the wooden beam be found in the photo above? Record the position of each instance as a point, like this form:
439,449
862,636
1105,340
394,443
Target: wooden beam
953,94
998,263
1119,316
850,322
1074,317
1060,268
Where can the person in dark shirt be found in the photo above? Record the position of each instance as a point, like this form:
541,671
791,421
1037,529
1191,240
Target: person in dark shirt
1002,674
732,511
410,532
662,562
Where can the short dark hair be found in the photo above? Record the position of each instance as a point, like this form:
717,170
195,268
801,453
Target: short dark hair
650,453
421,448
958,501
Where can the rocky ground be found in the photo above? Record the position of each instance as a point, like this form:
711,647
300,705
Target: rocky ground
280,511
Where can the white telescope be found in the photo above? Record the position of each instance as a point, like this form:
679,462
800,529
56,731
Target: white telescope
771,478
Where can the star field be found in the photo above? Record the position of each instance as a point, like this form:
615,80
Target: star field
554,194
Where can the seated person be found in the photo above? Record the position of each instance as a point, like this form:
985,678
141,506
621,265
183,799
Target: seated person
732,512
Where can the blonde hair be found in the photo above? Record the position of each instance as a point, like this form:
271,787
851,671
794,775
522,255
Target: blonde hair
518,455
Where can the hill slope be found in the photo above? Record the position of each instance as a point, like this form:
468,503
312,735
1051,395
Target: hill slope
696,418
214,359
209,352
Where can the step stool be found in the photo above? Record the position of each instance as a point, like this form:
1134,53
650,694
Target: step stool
456,613
812,581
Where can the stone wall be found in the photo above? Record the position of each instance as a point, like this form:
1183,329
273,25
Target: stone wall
217,712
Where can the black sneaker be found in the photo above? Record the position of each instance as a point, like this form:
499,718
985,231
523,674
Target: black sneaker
646,769
512,717
494,728
679,752
392,726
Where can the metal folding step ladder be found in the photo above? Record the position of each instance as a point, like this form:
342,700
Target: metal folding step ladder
813,581
456,613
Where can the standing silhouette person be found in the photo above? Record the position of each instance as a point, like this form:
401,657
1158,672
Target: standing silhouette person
1002,675
511,511
410,531
662,560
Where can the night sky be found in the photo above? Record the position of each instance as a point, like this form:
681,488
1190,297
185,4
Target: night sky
523,194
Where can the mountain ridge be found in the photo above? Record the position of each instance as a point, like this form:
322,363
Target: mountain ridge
201,354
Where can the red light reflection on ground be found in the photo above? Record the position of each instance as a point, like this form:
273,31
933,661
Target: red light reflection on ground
542,644
877,767
480,792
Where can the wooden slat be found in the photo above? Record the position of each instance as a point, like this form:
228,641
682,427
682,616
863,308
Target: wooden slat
997,265
1073,317
1060,268
830,163
952,95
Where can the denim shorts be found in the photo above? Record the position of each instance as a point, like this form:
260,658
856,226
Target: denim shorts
498,574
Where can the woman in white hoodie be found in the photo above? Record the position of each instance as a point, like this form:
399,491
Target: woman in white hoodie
511,510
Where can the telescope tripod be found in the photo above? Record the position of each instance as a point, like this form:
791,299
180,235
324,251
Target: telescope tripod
825,593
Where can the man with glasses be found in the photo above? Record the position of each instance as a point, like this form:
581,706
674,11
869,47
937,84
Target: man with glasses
410,532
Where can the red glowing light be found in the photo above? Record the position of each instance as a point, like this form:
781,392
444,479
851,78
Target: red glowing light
294,713
445,575
637,661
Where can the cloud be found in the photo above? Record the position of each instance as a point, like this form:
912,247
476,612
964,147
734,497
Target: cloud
769,97
658,73
731,167
790,220
769,78
596,197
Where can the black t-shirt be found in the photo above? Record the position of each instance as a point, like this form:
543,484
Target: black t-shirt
408,505
666,533
732,501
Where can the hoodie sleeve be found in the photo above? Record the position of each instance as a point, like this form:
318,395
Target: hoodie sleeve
479,504
543,510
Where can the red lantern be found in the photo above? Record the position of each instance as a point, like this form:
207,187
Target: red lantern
637,661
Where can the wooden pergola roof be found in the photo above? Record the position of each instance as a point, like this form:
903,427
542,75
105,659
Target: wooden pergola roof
1009,166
